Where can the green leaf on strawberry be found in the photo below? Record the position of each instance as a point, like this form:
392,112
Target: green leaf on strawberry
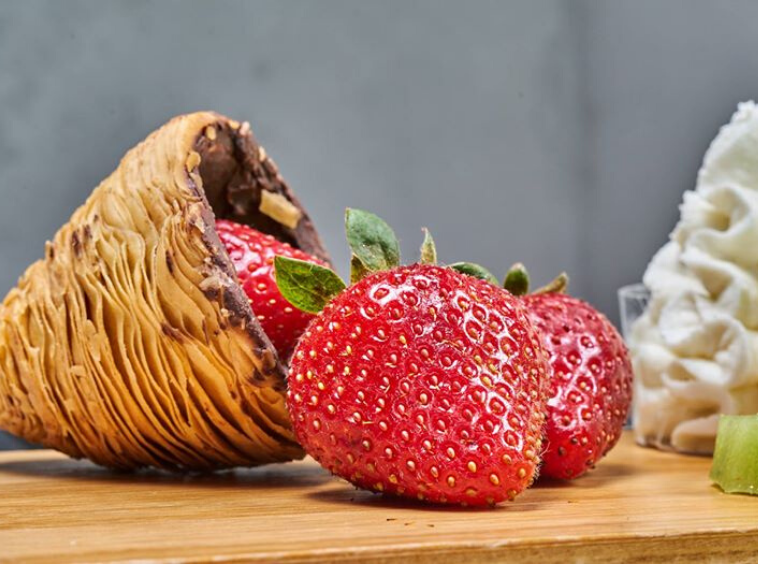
357,271
559,285
517,280
428,249
475,270
307,286
372,241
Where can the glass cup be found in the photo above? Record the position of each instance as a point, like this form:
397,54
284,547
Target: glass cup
633,300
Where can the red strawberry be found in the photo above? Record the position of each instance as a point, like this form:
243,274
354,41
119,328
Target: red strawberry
591,386
418,381
252,254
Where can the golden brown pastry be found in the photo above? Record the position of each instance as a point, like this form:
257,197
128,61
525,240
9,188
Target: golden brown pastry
131,343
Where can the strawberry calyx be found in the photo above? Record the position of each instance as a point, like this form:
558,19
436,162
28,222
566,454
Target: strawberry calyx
517,282
374,248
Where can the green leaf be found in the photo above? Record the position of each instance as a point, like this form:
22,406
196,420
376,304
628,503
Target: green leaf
357,271
428,249
559,285
307,286
517,280
372,241
476,271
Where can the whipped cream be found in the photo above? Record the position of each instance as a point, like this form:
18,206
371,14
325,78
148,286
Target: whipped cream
695,349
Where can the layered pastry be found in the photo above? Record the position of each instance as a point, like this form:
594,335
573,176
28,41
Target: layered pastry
131,342
695,349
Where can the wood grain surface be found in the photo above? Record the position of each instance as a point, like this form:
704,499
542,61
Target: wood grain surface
639,505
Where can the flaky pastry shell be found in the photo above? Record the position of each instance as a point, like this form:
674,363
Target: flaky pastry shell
132,343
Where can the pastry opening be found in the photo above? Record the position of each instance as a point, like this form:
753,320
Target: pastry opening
243,185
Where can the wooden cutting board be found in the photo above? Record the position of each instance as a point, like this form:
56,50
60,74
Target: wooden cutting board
639,505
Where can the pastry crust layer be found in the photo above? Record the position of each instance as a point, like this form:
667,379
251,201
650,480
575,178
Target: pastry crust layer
131,343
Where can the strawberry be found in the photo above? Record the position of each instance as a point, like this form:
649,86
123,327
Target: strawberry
418,381
252,254
591,386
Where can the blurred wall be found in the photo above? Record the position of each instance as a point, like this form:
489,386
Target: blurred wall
557,133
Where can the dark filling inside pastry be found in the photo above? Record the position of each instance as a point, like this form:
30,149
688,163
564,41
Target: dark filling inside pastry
243,185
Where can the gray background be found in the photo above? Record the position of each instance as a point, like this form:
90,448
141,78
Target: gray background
559,133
